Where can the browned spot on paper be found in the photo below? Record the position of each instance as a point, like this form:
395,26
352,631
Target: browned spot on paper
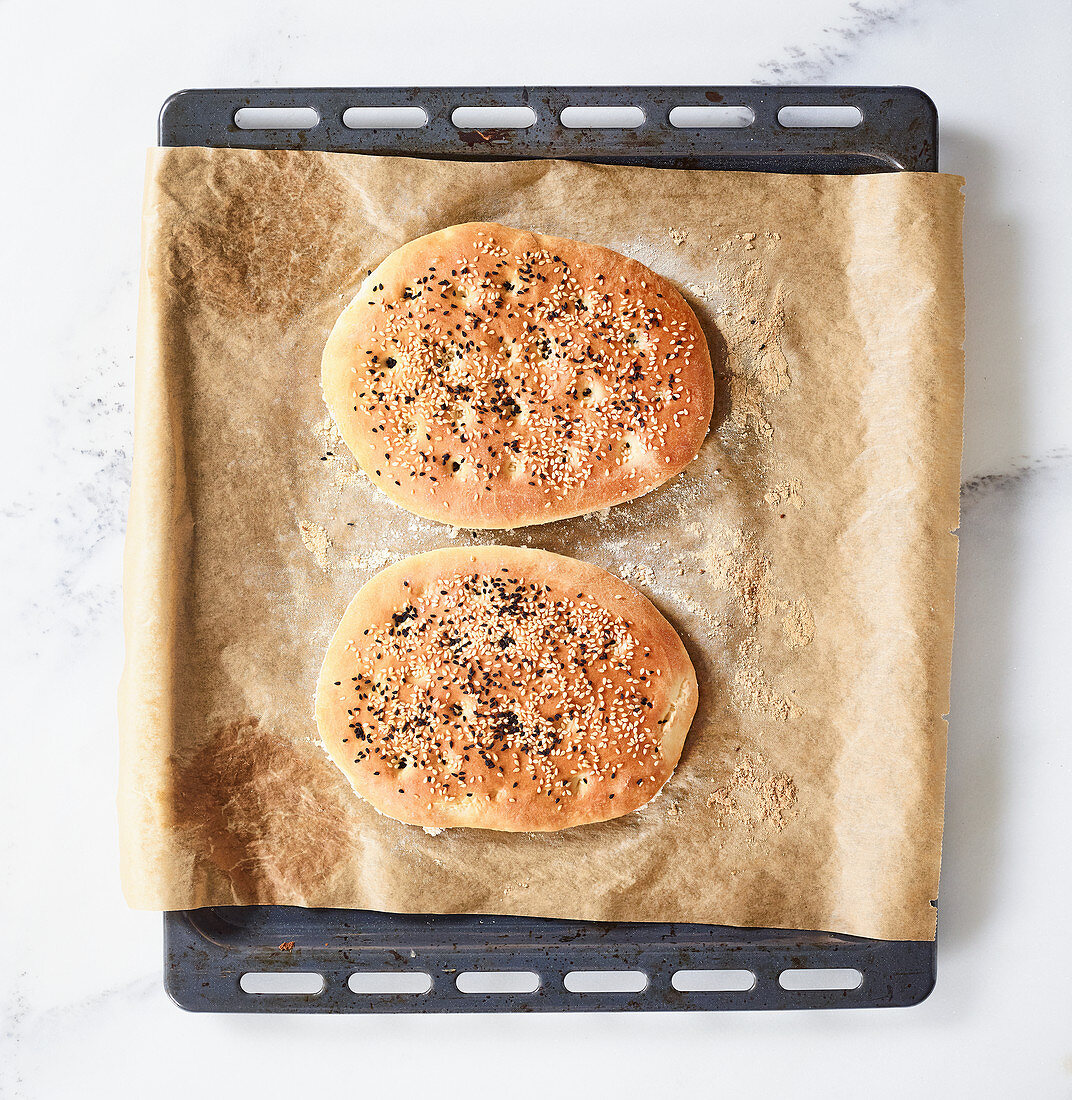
247,800
259,234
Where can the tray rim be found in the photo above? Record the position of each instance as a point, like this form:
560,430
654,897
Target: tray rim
914,150
187,947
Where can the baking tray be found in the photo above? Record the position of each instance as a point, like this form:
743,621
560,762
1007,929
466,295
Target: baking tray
218,958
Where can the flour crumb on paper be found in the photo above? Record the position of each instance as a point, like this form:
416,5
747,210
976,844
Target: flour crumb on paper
316,542
643,574
798,626
708,291
375,560
732,562
336,456
753,798
328,434
753,692
751,311
786,493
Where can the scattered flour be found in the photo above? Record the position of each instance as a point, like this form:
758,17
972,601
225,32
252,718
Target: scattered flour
753,692
755,798
376,559
316,542
642,573
798,626
788,492
336,456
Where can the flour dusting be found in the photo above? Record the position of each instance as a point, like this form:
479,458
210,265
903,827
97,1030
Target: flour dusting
316,542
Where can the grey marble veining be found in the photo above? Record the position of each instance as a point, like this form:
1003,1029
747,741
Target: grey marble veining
79,501
982,485
818,61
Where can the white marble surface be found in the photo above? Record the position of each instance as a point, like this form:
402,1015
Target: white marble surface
84,1012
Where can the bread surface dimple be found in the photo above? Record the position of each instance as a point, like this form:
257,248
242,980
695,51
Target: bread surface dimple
488,377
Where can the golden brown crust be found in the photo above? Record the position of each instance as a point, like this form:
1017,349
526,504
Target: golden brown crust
490,377
506,688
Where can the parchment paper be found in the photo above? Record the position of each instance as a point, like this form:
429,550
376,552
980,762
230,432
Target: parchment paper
806,557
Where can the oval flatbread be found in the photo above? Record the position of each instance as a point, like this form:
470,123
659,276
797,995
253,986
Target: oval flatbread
489,377
497,687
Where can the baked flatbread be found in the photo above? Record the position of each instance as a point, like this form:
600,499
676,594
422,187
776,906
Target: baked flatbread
498,687
489,377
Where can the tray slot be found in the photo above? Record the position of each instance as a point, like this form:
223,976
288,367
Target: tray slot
519,117
606,981
412,982
703,116
820,116
384,118
498,981
276,118
281,983
713,981
621,117
808,978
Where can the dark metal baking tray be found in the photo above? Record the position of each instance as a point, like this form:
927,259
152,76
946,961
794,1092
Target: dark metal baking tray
208,951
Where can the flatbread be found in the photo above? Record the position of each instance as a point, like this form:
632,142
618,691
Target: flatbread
490,377
500,687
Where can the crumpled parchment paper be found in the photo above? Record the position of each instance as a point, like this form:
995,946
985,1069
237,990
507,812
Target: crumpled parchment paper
806,557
